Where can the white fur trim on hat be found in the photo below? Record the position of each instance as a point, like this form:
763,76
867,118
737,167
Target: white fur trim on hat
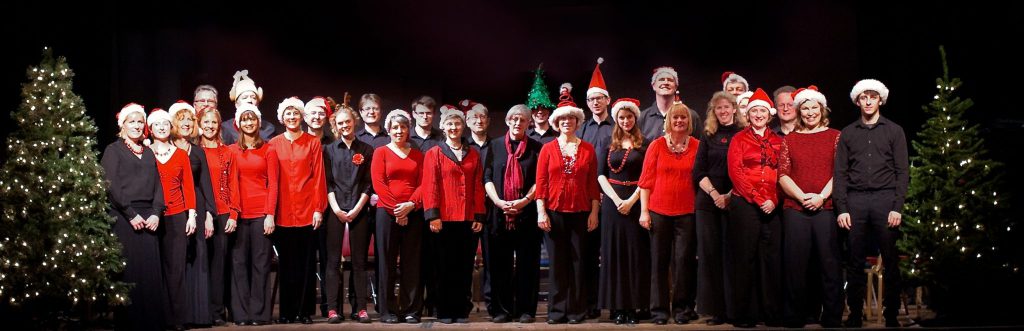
290,102
241,84
566,111
128,109
625,104
809,94
157,116
735,78
664,71
392,115
477,108
180,105
315,103
869,85
739,98
445,115
244,108
593,90
760,103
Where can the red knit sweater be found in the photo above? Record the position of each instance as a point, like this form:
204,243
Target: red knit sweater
808,159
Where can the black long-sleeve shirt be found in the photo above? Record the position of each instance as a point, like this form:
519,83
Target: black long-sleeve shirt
205,200
378,140
870,158
544,138
348,175
595,132
712,160
134,182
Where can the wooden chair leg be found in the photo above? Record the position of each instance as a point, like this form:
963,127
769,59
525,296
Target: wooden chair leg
869,294
879,296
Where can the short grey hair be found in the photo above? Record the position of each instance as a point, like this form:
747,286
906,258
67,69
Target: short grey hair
519,109
205,87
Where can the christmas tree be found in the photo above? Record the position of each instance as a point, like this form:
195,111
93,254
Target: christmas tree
957,234
57,251
538,96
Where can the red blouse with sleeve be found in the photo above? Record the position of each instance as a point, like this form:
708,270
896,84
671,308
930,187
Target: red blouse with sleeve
220,163
669,176
567,186
302,187
753,166
176,179
253,181
396,179
452,190
808,159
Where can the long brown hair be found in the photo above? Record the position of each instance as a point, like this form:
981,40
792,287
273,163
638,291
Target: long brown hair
241,135
633,135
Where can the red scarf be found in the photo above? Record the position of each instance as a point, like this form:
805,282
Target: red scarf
513,172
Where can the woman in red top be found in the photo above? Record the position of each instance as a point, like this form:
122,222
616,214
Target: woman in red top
253,186
453,203
179,218
567,208
666,208
301,200
395,172
805,174
219,163
754,233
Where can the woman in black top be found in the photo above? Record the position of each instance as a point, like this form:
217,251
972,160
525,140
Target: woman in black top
711,175
347,166
512,244
136,202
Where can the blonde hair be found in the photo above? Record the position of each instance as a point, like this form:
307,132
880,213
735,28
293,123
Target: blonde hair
177,117
711,121
334,124
216,114
679,107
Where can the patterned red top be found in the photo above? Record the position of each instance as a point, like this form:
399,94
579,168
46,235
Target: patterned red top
453,190
808,159
567,185
220,162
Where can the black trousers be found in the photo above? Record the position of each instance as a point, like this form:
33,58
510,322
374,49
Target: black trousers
173,247
673,247
429,280
394,240
869,214
360,233
250,271
334,234
512,263
566,242
753,263
811,234
710,269
456,247
295,248
592,266
217,248
322,262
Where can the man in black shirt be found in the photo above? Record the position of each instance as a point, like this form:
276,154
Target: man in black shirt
871,179
425,135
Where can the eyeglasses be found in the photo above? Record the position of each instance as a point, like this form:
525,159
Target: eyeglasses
596,99
317,113
422,113
371,108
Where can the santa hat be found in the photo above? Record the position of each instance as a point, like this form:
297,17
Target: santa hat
244,108
630,104
566,107
179,106
446,108
469,106
447,113
869,85
808,94
290,102
131,107
157,115
597,80
761,99
664,71
741,97
241,84
392,115
730,77
317,102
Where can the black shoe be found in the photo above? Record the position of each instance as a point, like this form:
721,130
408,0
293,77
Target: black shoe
892,323
855,320
362,317
285,320
575,321
502,318
446,320
412,319
557,321
744,324
258,323
242,323
178,327
660,321
831,325
304,320
526,318
389,319
714,320
631,318
219,322
682,320
691,315
462,320
618,317
644,314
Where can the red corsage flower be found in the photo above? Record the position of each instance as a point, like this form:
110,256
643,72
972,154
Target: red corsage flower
358,159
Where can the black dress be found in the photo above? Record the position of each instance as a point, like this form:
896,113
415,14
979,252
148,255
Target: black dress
625,277
197,262
135,189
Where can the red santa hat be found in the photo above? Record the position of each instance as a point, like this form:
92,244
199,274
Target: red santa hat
808,94
761,99
179,106
664,71
131,107
244,108
629,104
732,77
292,102
317,102
869,85
597,80
566,107
470,106
242,83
